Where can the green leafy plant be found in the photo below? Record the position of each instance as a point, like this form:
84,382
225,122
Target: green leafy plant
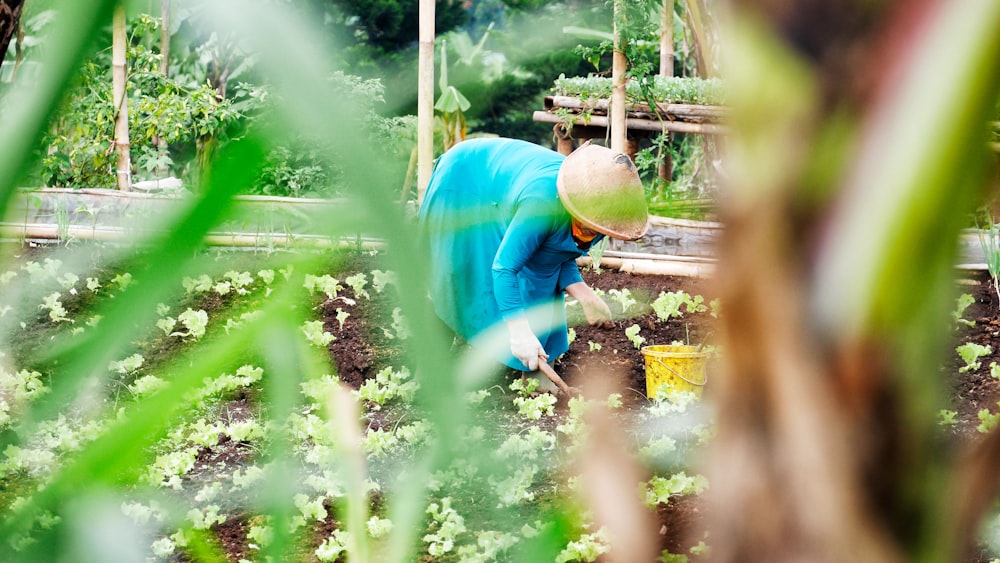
961,304
989,239
357,283
382,278
947,417
162,109
587,548
534,408
596,253
447,525
664,89
451,105
53,304
315,334
387,385
632,333
659,489
987,421
342,316
668,304
196,323
624,298
971,352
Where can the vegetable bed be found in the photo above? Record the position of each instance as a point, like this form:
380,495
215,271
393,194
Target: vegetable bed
327,463
508,490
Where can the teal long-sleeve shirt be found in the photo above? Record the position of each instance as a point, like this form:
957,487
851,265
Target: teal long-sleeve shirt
499,240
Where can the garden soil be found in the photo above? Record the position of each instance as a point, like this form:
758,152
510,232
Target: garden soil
363,348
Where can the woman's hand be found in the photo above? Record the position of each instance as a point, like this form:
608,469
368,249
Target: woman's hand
524,345
595,309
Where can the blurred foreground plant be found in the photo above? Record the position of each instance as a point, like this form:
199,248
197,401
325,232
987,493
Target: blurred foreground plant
848,173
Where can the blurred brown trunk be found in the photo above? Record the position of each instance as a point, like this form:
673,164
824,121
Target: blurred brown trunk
820,454
10,19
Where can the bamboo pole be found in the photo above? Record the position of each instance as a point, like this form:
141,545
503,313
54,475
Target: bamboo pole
164,37
667,38
118,66
425,98
702,47
653,267
44,231
618,67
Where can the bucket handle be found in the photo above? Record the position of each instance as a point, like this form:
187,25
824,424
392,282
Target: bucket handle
704,341
701,384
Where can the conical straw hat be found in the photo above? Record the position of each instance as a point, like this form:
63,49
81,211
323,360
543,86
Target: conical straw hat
601,189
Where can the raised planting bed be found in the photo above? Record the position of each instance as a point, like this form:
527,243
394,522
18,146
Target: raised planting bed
113,215
578,109
675,237
583,116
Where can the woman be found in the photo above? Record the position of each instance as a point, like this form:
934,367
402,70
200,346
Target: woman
505,221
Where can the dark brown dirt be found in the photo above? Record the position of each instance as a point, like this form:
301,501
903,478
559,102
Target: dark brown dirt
361,350
617,355
976,390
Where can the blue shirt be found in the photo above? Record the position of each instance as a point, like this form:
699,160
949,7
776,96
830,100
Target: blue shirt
499,240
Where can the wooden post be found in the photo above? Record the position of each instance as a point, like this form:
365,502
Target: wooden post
123,169
564,140
631,147
618,66
425,98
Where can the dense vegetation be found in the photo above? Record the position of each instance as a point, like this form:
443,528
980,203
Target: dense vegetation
503,56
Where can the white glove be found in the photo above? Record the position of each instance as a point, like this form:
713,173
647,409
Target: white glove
524,345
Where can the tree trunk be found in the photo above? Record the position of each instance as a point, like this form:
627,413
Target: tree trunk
10,19
119,67
425,98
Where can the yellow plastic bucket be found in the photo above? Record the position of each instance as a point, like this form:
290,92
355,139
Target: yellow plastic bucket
679,368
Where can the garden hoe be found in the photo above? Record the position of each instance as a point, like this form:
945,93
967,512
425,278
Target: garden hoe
552,375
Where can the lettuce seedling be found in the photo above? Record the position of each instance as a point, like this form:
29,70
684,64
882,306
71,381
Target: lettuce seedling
971,352
961,304
632,333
